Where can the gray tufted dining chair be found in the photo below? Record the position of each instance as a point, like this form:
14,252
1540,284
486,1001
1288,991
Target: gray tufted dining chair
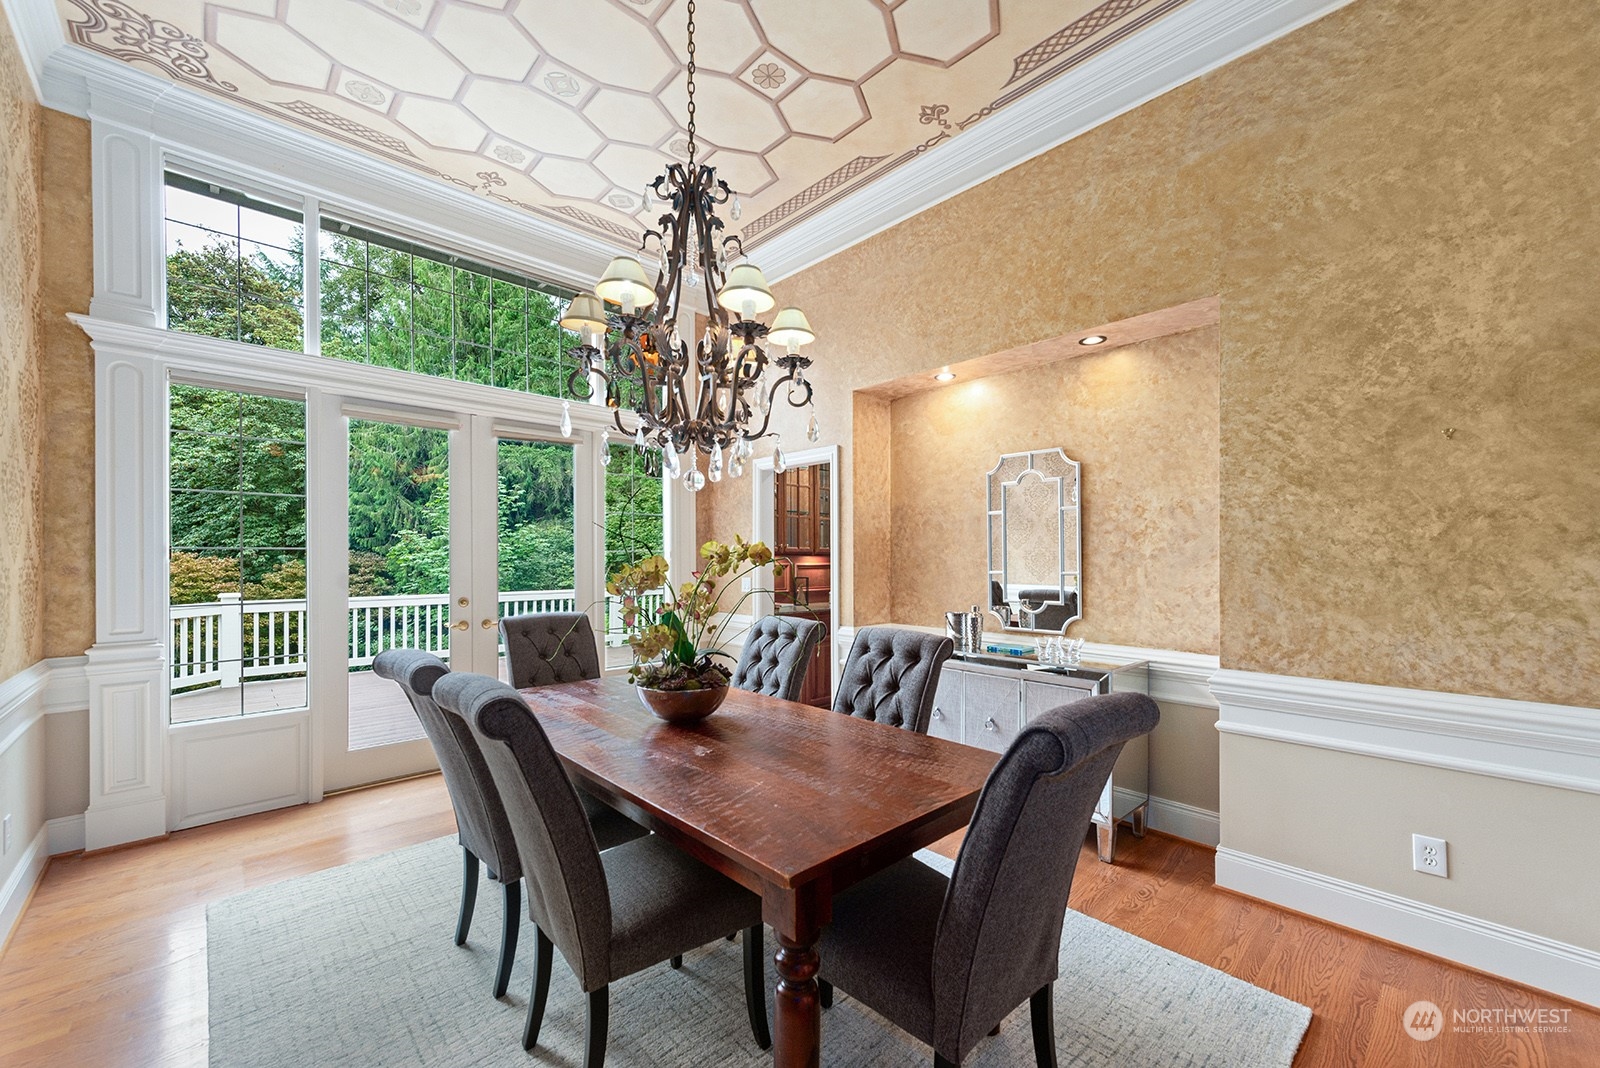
544,648
481,823
890,676
948,959
776,653
611,913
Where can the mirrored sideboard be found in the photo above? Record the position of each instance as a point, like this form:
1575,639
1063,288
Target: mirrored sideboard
985,699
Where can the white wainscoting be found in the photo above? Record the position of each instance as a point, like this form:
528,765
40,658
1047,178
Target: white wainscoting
57,684
1525,741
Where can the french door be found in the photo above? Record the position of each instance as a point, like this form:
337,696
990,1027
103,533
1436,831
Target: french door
452,520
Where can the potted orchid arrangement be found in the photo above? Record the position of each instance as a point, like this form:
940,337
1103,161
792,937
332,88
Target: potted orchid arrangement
675,641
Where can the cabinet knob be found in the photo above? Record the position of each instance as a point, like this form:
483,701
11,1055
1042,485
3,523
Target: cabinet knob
937,714
990,725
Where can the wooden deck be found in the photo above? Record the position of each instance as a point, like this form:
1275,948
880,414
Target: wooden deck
379,712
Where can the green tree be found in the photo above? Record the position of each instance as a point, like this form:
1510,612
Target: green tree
216,292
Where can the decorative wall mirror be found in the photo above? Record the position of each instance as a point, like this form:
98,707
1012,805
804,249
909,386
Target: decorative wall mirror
1035,541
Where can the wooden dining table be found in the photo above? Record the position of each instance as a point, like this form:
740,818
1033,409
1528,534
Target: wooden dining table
794,802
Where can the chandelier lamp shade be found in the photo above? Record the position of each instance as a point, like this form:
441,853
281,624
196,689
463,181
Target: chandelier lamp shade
686,352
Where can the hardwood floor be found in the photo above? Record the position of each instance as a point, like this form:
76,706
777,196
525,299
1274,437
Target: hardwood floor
108,966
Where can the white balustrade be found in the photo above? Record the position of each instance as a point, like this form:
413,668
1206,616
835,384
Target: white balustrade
229,641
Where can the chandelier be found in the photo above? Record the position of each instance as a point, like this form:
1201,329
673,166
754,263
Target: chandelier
635,338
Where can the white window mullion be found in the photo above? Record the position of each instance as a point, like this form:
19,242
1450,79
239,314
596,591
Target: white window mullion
311,284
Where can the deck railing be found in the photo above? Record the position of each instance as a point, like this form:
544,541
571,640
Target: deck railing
227,642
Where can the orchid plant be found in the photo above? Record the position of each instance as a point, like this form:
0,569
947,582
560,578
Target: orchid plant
675,645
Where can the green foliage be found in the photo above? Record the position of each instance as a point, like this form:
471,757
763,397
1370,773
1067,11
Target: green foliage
285,582
216,292
420,313
369,574
197,579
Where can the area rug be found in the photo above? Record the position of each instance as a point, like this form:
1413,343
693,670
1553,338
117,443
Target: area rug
356,966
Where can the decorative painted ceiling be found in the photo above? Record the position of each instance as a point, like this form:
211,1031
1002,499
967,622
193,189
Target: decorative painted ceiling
568,108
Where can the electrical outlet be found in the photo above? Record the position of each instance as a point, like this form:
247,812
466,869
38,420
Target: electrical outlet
5,834
1430,856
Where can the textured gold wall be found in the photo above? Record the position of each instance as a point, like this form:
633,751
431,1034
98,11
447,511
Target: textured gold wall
67,372
21,455
1143,422
1395,205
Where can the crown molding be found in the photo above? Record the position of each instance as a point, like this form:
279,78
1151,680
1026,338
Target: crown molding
1196,38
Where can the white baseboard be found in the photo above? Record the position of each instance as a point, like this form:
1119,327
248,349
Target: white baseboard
14,895
1184,821
64,834
1567,970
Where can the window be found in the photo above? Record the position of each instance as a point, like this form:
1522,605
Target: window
237,567
393,303
233,266
634,516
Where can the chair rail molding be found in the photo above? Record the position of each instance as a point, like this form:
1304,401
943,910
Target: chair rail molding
1526,741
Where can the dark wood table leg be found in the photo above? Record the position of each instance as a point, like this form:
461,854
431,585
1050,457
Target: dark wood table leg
797,916
797,1034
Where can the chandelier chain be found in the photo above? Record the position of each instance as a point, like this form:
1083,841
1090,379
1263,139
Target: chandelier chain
691,84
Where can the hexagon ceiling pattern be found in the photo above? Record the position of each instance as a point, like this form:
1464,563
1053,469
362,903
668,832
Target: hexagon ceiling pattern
568,108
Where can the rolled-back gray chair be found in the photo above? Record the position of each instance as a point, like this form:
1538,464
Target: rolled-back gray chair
544,648
890,676
948,959
612,913
481,823
776,653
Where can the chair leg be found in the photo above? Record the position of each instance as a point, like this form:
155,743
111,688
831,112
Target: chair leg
1042,1007
755,984
676,962
543,960
940,1062
510,925
825,993
469,894
595,1028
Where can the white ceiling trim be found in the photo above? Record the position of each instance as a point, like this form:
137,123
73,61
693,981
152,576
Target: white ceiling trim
1197,37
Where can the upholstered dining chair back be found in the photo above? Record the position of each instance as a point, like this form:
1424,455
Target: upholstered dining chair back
545,648
999,931
776,653
890,676
567,891
480,817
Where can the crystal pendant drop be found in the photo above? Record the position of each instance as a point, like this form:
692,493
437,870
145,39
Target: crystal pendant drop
736,465
742,449
779,464
638,436
693,480
737,210
566,419
605,448
813,432
691,278
670,462
714,468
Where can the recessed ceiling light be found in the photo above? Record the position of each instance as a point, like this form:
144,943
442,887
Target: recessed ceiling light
1093,339
945,376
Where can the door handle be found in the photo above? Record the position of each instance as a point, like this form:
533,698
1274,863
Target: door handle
460,624
487,624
